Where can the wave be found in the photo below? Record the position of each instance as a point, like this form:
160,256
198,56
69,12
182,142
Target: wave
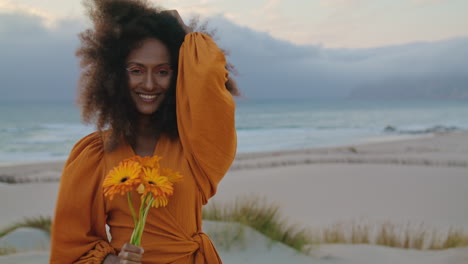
269,127
429,130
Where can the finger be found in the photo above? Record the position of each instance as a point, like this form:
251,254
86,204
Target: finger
128,262
132,248
125,255
174,13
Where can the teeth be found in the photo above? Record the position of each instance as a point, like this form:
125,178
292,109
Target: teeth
147,96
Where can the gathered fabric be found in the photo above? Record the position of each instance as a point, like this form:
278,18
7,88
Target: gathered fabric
206,250
203,153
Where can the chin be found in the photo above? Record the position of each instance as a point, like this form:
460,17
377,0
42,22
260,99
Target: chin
147,111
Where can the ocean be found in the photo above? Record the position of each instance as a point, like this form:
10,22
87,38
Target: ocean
35,132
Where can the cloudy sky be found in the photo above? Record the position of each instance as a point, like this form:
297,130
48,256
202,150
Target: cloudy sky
331,23
326,46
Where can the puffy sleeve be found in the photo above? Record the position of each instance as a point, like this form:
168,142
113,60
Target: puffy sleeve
205,112
78,230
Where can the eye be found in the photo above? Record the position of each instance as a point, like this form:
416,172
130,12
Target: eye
135,71
162,71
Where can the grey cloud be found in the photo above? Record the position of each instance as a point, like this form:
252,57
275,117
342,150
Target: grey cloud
17,25
39,63
313,71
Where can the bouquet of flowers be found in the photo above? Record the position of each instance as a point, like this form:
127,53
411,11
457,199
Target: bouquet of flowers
144,175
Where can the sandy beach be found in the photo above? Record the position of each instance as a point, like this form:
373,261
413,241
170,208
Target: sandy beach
418,180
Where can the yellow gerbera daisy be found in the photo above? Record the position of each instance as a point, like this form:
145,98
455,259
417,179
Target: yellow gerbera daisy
160,201
122,179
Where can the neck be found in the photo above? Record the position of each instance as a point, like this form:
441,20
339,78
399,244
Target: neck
145,129
146,139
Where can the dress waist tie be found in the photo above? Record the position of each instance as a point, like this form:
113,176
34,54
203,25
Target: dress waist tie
206,251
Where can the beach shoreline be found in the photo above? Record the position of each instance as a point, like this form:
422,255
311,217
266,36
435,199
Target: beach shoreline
6,165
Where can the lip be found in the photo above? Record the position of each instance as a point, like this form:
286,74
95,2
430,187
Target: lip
148,98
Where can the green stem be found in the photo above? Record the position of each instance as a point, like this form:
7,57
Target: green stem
129,199
136,239
148,206
132,238
143,215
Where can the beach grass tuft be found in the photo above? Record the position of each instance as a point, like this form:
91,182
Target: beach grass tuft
255,212
393,235
7,251
267,219
228,236
455,238
40,222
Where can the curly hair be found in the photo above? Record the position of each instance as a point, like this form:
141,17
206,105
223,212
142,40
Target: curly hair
119,27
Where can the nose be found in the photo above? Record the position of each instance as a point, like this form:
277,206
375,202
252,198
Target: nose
148,82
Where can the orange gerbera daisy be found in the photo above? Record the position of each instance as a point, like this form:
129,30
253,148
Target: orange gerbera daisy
172,176
148,162
155,184
123,178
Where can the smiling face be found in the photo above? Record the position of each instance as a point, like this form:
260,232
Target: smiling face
149,75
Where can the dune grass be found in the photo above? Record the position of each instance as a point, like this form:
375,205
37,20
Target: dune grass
394,235
227,236
7,251
267,219
40,222
263,217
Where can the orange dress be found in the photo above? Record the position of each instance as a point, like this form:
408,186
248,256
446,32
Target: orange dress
203,153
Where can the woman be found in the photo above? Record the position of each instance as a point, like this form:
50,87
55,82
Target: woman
153,89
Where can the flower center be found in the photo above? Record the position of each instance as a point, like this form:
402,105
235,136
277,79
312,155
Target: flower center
124,179
152,182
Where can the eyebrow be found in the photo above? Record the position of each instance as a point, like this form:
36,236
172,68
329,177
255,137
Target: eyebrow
144,66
